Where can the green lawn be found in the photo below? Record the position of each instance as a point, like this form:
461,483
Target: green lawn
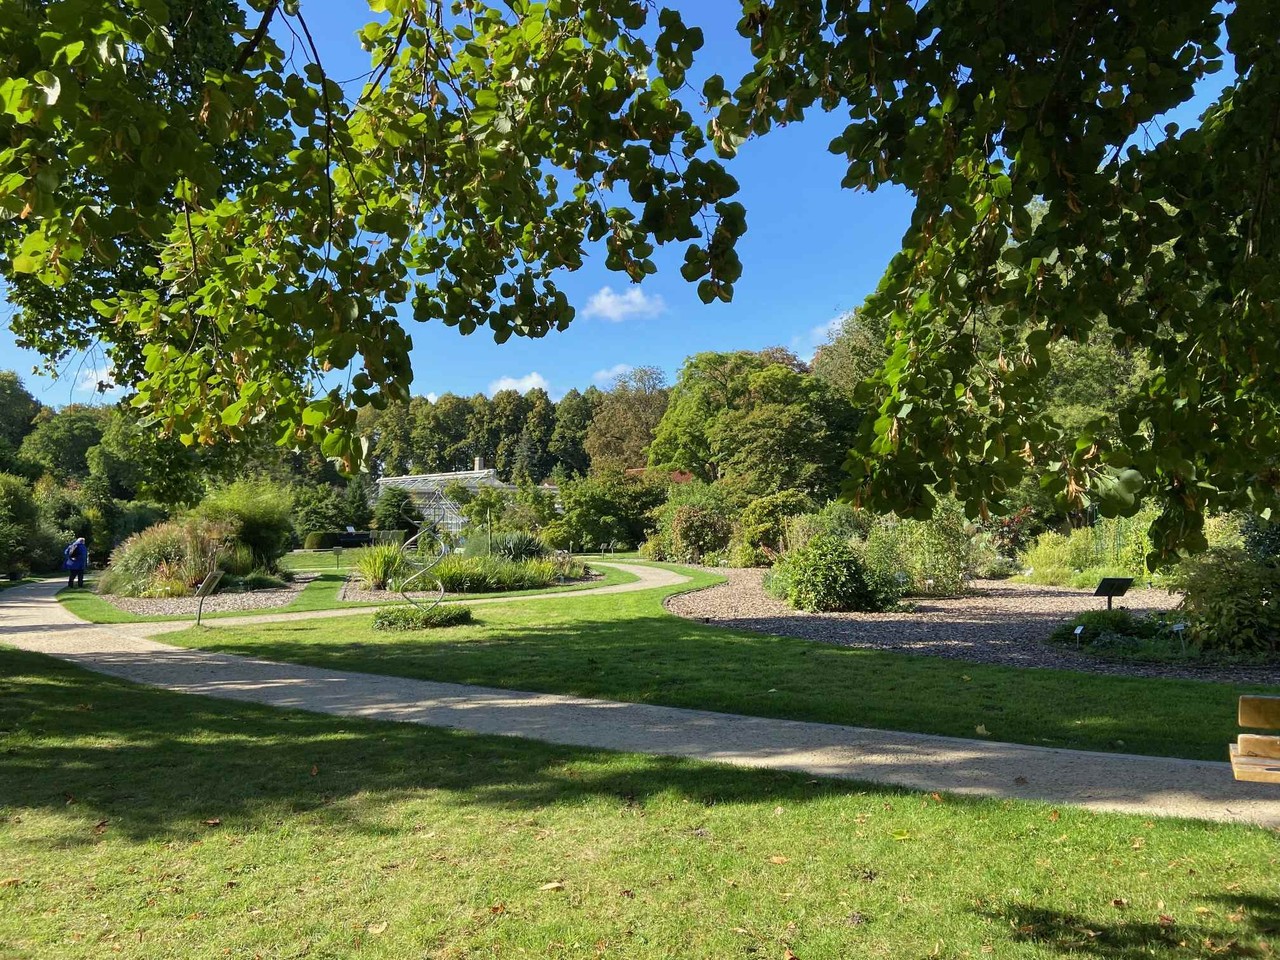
627,647
320,594
142,824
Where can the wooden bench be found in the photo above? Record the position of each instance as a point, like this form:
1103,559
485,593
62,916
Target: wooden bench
1255,756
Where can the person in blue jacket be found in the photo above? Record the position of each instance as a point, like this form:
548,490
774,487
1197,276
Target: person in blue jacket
77,558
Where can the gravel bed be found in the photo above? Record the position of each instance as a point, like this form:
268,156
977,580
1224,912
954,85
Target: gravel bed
999,623
218,603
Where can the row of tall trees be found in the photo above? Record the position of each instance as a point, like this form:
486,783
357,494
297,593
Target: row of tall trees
527,438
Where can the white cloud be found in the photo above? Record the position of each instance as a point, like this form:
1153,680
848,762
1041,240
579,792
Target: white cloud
93,373
606,377
616,307
521,384
432,397
806,344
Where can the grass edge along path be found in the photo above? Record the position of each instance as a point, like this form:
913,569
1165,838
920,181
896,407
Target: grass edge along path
319,594
140,823
627,647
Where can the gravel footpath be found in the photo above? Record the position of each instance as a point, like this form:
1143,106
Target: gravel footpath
218,603
31,619
1000,623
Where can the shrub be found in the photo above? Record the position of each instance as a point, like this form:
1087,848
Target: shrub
381,566
605,508
19,518
1112,547
237,560
260,513
321,540
829,573
1231,601
1099,625
518,546
403,618
932,556
836,519
318,508
762,526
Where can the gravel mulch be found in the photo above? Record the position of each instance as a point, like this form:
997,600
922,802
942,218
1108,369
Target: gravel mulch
999,623
218,603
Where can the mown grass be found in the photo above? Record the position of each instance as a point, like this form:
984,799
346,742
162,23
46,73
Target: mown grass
320,594
627,647
148,825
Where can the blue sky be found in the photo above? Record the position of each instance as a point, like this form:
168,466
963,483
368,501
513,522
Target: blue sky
812,252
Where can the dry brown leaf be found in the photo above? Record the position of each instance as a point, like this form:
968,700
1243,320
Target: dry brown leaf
788,955
981,730
377,928
1119,903
315,769
936,797
101,826
629,894
213,822
1054,816
11,882
498,908
779,859
553,885
1138,843
1165,920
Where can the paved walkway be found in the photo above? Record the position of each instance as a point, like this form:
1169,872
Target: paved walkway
31,619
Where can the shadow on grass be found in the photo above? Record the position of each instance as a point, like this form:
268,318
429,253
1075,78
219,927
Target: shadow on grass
154,763
1131,937
674,662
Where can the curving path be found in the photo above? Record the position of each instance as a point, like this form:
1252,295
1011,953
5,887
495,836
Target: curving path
30,618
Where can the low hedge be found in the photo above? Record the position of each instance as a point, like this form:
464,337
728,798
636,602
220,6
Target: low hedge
321,540
399,619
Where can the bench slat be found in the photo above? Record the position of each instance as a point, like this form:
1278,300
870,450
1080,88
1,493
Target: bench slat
1260,712
1254,768
1256,745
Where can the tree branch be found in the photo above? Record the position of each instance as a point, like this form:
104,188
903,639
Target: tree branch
257,37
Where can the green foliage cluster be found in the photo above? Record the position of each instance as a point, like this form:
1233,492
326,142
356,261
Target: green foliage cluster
1231,601
380,566
760,534
259,514
519,546
19,525
832,574
603,509
930,556
400,619
1112,547
462,574
695,520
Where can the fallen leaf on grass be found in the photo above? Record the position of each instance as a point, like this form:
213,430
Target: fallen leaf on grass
1119,903
788,955
213,822
936,797
315,769
1165,920
779,860
101,826
498,908
11,882
1054,816
553,885
629,894
981,730
377,928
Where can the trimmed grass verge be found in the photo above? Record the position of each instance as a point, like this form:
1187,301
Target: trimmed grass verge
148,825
320,594
627,647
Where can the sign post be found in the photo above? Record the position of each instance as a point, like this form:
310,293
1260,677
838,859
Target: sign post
207,586
1112,587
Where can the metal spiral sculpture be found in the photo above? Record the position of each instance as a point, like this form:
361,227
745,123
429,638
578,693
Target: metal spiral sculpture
422,571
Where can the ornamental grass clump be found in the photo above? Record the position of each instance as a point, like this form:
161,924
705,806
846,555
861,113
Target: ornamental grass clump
400,619
168,559
381,567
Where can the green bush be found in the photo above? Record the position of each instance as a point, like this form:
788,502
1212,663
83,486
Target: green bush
836,519
260,513
403,618
19,518
321,540
1099,625
381,566
828,574
760,534
932,556
1231,601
